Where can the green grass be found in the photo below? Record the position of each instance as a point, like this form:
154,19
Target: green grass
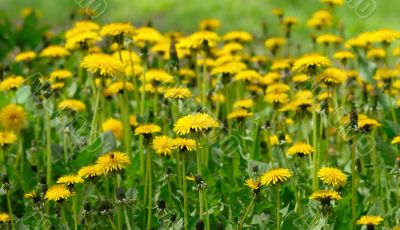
185,15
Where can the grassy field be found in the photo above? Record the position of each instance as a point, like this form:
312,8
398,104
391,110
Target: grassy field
185,15
112,124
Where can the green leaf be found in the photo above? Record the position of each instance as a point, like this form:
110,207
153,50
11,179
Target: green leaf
291,220
103,144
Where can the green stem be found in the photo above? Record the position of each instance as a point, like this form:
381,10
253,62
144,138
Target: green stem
119,218
247,212
315,141
20,153
65,147
278,209
125,121
75,215
136,91
392,110
48,140
198,157
377,178
141,156
1,155
155,104
95,112
204,84
206,209
128,224
150,195
185,202
10,210
112,223
178,169
143,96
353,181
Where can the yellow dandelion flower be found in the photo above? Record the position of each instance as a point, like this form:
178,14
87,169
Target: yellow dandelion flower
11,83
329,39
135,70
239,114
194,123
281,64
54,51
178,93
320,19
258,59
247,75
147,35
278,88
104,64
300,149
228,68
227,53
25,56
58,193
332,77
72,105
70,179
310,63
275,176
204,37
7,138
147,129
13,117
117,29
209,24
57,85
118,87
184,144
277,11
255,185
333,2
113,162
299,78
158,75
148,88
376,53
395,140
274,43
60,74
133,120
369,220
163,145
243,104
115,126
385,36
218,98
90,171
386,74
5,218
289,21
274,139
325,196
81,27
269,78
84,39
30,195
343,55
332,176
127,57
367,123
238,36
277,98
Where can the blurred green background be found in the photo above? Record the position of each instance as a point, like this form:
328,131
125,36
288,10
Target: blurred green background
184,15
